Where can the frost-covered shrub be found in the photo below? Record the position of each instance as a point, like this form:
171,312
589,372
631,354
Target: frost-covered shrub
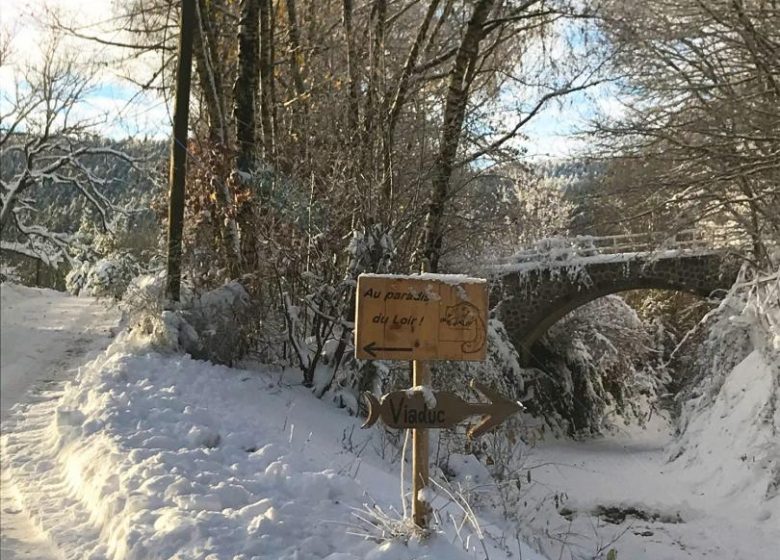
224,322
369,250
319,316
595,363
145,311
217,325
503,212
670,315
107,277
9,273
76,278
105,261
146,294
747,319
730,408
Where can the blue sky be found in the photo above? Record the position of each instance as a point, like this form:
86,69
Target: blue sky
128,112
559,131
112,103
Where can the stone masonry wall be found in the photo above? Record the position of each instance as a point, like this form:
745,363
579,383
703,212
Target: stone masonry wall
530,301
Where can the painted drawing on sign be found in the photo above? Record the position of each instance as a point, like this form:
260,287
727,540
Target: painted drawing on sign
465,316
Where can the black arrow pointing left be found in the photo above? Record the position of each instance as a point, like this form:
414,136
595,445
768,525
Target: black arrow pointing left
371,348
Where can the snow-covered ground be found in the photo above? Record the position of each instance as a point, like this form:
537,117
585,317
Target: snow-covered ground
43,335
709,502
150,454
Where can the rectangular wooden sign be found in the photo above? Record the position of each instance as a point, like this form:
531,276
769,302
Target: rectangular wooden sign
426,317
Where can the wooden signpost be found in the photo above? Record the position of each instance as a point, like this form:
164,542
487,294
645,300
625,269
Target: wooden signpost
419,318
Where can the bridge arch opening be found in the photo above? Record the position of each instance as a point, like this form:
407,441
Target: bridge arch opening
567,305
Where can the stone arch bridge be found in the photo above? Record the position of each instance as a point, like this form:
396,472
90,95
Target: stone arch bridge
534,289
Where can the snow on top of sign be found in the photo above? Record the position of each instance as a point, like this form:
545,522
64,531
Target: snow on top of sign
451,279
428,395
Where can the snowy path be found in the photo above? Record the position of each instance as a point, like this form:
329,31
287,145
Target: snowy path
622,492
44,335
196,461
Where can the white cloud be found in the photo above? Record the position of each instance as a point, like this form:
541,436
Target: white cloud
553,146
112,102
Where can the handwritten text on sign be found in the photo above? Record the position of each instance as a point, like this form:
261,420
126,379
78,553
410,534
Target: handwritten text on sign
420,318
414,409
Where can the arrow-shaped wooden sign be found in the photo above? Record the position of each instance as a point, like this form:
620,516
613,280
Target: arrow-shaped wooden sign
417,409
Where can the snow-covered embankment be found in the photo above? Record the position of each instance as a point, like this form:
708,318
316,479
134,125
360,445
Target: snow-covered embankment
151,454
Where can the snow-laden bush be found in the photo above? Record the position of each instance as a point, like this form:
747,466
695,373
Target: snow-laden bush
597,367
506,211
224,322
9,273
319,316
105,261
106,277
730,408
144,306
217,325
76,278
747,319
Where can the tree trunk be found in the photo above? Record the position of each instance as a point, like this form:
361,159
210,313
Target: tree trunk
295,48
429,248
267,96
245,93
352,88
394,110
376,57
178,165
245,88
210,75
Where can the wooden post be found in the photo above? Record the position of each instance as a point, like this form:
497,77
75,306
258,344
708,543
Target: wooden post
421,376
178,167
420,319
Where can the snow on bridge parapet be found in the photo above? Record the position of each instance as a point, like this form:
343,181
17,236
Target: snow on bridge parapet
575,265
562,251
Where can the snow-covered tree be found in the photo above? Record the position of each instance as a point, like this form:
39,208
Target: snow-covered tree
507,209
44,145
695,142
